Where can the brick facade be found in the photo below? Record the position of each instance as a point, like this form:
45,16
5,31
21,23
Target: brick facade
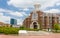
45,20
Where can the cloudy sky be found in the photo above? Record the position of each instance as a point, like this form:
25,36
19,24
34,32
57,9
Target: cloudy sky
20,9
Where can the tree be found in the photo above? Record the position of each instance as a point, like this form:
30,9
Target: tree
56,27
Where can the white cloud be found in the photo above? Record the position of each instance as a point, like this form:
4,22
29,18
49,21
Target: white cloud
24,13
49,3
53,11
1,14
4,10
29,3
19,21
6,19
26,9
3,18
16,14
19,14
58,4
18,3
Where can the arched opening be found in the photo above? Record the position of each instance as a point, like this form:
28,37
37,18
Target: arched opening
35,25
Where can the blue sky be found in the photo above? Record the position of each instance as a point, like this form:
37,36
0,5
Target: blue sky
20,9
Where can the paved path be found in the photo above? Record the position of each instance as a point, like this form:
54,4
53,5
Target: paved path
38,33
41,36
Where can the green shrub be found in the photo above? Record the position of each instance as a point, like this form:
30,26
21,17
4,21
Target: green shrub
1,30
32,29
22,28
28,29
9,30
56,27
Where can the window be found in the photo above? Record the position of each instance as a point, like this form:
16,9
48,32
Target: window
34,16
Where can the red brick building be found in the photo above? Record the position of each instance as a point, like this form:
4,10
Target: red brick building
41,20
4,24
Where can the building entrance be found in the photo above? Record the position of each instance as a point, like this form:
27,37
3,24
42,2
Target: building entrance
35,25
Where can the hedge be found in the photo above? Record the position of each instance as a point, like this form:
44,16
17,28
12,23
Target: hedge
28,29
9,30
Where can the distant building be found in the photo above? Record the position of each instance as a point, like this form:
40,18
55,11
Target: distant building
13,22
4,24
41,20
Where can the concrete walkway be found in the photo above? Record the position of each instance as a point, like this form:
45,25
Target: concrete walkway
37,33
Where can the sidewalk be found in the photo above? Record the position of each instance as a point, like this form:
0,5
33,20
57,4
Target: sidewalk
41,36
